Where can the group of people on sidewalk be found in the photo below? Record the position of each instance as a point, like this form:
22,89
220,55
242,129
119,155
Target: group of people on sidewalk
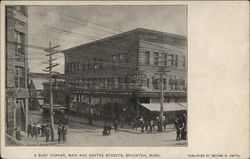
181,127
62,133
107,128
45,130
149,125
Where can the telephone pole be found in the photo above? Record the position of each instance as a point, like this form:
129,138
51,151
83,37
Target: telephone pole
161,72
51,51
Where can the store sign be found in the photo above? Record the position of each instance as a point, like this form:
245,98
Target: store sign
138,76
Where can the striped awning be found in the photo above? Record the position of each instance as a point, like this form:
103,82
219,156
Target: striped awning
167,107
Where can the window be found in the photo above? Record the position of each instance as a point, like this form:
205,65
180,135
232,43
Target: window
120,56
78,66
183,61
157,84
147,82
113,57
100,63
95,64
164,84
126,56
20,40
83,66
89,64
147,57
156,58
165,59
172,59
19,77
176,60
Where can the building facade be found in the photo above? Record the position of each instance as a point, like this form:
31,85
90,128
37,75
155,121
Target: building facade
16,68
36,90
115,75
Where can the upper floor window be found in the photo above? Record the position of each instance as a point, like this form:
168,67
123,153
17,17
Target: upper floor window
20,40
147,57
147,82
19,77
100,63
126,56
156,58
120,56
172,59
164,84
83,66
165,59
89,64
183,60
176,60
95,64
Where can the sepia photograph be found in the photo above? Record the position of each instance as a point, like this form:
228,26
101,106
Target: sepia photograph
96,75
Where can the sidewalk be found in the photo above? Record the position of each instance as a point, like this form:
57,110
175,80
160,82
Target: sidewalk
125,128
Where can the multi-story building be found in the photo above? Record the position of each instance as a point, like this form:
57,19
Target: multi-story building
120,73
16,68
36,90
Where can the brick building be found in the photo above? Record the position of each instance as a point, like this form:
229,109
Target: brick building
119,75
16,68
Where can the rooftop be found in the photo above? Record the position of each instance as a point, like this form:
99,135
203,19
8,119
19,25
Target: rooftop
141,31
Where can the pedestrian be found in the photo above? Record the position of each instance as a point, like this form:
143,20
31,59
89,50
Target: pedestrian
43,129
175,122
18,133
146,124
178,130
135,124
64,133
151,125
35,130
109,128
165,124
29,130
59,133
105,129
184,129
116,123
38,128
122,121
47,132
142,123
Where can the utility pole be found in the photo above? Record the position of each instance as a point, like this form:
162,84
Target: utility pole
161,72
51,51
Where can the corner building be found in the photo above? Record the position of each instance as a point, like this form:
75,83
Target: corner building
16,85
119,75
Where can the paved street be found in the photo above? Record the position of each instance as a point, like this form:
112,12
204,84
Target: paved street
92,136
82,134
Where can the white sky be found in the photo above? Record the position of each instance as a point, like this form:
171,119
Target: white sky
170,19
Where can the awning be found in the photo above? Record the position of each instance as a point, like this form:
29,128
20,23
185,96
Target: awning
167,107
183,104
